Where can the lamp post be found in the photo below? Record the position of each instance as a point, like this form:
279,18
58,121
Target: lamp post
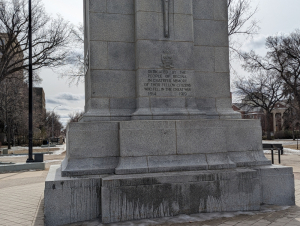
53,117
30,159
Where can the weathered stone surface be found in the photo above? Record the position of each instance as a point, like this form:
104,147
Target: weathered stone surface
69,200
142,138
277,185
112,27
178,145
92,148
161,195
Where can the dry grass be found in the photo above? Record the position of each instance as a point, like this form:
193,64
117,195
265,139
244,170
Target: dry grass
294,146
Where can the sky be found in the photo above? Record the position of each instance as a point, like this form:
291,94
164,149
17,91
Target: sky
274,16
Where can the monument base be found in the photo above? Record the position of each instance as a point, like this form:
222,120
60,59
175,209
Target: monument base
131,147
115,198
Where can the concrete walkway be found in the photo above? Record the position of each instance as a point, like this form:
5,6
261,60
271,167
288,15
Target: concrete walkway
21,203
21,198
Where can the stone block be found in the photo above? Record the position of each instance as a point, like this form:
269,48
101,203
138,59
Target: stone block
177,163
203,9
220,10
211,33
207,105
99,106
88,166
120,6
98,55
222,59
183,26
112,84
80,196
132,165
147,6
219,82
225,110
277,185
112,27
92,140
98,6
183,7
122,107
204,58
218,161
147,25
121,55
167,103
169,194
135,137
196,137
248,158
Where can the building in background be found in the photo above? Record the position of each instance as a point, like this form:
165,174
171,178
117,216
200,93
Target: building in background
276,120
39,107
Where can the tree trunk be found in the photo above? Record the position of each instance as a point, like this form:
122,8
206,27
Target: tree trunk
293,133
8,136
268,125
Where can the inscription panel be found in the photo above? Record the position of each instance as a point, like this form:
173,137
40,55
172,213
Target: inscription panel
163,82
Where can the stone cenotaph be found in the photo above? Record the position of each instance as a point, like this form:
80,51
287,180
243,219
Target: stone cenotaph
159,137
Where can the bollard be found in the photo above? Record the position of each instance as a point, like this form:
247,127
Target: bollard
272,153
279,155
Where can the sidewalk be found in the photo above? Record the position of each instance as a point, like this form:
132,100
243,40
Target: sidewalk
21,203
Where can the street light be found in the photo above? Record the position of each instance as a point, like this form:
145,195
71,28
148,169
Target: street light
53,117
30,159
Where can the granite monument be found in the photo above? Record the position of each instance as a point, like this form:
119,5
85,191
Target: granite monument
159,137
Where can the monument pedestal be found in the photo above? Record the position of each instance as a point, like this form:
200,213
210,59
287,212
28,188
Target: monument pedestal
129,147
133,170
115,198
159,136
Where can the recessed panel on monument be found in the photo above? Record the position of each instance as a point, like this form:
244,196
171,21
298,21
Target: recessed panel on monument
159,137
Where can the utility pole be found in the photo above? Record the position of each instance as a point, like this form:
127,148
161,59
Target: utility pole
30,159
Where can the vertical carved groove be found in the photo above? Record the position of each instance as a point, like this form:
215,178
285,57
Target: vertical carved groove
166,18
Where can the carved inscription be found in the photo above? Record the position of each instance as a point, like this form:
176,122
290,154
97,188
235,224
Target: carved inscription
168,83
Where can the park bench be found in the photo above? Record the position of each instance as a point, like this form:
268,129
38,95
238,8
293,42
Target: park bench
273,147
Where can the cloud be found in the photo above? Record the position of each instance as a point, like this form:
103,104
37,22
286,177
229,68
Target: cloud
70,96
53,101
258,42
65,108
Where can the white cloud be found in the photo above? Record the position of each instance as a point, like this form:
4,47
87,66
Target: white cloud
70,96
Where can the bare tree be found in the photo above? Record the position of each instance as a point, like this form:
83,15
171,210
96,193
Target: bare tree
74,69
261,90
282,59
74,117
13,101
57,125
50,38
239,14
240,22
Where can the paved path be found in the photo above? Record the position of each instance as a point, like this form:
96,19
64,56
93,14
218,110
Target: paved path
21,198
21,203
